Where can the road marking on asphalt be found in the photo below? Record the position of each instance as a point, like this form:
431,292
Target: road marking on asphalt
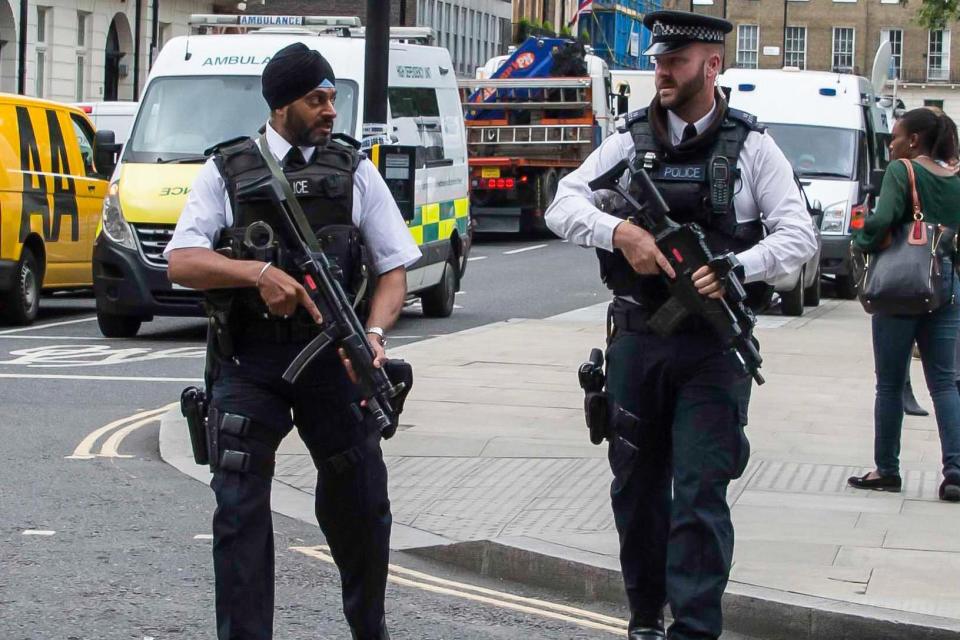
203,536
120,429
5,337
37,327
426,582
476,258
57,376
522,249
38,532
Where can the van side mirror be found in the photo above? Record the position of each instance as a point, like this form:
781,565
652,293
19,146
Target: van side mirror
105,150
623,104
816,213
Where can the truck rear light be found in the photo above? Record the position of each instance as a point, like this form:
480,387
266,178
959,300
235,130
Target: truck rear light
501,183
492,183
858,217
509,183
523,179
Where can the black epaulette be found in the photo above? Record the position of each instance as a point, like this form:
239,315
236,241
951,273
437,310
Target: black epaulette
746,118
343,138
634,116
226,143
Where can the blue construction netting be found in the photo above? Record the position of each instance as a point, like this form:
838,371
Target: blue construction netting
613,26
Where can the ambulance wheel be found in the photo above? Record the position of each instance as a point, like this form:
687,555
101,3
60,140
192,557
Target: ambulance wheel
21,303
812,294
438,300
791,302
114,326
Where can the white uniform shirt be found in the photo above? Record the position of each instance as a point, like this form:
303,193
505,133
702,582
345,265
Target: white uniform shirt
766,191
375,213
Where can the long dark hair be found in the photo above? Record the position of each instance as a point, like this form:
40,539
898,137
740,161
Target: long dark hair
936,131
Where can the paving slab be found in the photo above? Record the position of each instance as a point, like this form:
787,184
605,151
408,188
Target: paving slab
491,468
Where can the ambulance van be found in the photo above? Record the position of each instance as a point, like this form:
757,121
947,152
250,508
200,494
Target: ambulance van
833,133
51,194
204,89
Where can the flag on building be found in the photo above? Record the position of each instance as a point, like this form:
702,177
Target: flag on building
585,6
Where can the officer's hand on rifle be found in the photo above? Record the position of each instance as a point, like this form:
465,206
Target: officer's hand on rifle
707,283
282,294
640,250
379,357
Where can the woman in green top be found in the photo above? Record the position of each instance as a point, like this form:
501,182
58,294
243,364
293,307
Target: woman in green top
929,141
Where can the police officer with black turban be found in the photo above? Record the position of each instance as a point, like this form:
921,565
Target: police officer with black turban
714,166
263,318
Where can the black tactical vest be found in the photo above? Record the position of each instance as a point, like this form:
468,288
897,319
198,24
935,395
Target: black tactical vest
699,187
324,189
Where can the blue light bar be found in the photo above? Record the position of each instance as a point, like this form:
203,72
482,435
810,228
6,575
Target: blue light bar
827,91
746,87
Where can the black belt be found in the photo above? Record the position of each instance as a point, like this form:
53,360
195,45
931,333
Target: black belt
628,316
277,331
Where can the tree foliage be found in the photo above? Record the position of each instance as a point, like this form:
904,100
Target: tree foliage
936,14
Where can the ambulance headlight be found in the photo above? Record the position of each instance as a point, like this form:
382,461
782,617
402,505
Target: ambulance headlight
834,218
114,226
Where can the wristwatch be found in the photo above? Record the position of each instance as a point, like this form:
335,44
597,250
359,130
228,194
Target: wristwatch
379,332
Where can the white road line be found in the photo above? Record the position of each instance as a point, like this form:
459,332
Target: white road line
54,376
38,532
521,250
476,258
203,536
37,327
84,450
543,608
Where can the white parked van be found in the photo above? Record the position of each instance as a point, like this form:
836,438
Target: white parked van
835,136
112,116
205,89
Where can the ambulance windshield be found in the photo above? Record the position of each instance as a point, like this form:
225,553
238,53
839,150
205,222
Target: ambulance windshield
180,117
817,152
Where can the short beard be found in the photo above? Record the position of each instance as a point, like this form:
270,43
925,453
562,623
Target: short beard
684,93
304,135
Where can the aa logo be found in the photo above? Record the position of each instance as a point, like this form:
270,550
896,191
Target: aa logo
36,201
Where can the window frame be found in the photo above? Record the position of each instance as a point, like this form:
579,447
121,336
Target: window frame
802,51
87,131
897,56
944,56
835,52
756,46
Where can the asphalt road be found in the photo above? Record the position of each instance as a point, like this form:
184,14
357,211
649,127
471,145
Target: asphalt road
101,540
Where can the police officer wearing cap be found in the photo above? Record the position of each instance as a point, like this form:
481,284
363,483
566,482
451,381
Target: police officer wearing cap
716,167
263,318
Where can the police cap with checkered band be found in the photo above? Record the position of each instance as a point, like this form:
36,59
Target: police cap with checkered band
673,30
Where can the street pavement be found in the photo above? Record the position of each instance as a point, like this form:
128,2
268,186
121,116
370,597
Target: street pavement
492,447
102,540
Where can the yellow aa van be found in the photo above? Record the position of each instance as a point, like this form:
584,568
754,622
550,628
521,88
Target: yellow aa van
51,198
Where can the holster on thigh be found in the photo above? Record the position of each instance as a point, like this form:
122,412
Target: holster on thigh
238,443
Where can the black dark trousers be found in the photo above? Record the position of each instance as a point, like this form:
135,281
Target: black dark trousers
669,495
351,504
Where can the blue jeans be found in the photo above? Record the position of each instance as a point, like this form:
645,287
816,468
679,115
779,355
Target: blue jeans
936,337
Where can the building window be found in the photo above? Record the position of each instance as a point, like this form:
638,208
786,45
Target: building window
43,28
938,55
795,51
895,37
81,64
843,47
748,40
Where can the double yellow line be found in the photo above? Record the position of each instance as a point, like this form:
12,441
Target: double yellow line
118,430
533,606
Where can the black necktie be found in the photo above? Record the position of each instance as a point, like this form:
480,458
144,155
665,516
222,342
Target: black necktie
294,160
689,132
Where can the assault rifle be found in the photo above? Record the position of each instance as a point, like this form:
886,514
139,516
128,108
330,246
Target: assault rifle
341,327
685,247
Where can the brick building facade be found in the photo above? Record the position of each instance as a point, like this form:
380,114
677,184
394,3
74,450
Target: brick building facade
843,36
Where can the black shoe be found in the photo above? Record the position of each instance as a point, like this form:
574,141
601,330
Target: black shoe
883,483
910,405
950,488
646,629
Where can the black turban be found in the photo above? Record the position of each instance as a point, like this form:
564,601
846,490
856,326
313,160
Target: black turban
293,72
